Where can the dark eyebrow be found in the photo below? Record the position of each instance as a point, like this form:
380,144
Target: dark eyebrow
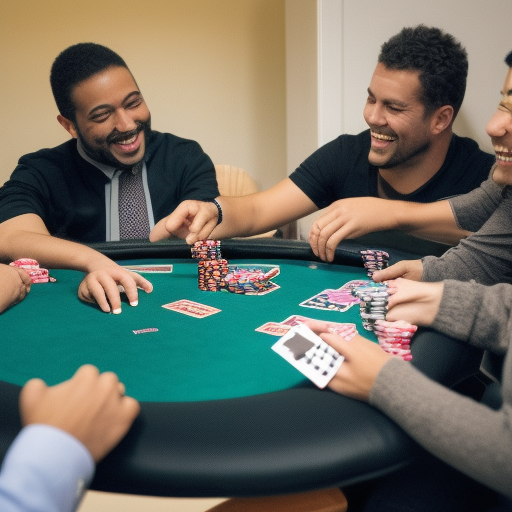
106,105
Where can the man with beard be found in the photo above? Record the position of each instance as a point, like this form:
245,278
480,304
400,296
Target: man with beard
410,151
57,199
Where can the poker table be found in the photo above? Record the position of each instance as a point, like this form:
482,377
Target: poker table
221,413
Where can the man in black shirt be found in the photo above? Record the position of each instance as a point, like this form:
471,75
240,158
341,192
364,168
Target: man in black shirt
410,152
113,180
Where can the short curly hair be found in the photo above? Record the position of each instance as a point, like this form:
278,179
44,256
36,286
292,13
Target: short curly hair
508,60
74,65
441,61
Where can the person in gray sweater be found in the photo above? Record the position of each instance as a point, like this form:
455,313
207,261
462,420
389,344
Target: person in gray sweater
469,436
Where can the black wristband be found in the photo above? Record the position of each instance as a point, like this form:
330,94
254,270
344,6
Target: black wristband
219,209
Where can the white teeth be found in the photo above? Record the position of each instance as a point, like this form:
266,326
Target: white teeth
381,136
128,141
504,154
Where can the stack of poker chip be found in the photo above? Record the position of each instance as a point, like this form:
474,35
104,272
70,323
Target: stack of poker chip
374,260
373,303
243,280
36,273
395,337
206,250
211,268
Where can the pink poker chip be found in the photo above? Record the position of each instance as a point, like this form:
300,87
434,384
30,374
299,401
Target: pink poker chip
31,266
25,263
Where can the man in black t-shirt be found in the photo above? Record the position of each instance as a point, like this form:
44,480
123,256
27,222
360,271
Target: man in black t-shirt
410,152
60,198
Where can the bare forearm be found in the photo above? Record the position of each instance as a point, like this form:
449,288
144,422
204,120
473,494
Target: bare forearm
263,211
432,221
27,237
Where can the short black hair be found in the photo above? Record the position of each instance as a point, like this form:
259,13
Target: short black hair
441,61
508,60
76,64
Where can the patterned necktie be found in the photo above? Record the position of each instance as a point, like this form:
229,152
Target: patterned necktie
133,212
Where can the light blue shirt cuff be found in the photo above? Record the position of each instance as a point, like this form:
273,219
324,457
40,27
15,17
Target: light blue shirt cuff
45,470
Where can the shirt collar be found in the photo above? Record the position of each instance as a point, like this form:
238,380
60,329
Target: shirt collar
107,170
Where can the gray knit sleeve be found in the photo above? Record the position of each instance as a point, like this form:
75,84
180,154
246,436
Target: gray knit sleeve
472,210
465,434
484,256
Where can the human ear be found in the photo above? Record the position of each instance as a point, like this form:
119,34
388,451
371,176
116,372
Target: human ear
441,119
68,126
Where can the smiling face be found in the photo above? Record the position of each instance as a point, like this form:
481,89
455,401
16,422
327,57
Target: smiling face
499,128
111,118
399,128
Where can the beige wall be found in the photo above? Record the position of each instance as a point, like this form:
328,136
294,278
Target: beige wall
210,70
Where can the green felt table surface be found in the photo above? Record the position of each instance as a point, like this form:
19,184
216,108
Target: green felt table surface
51,333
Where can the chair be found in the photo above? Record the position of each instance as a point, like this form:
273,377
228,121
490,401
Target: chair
324,500
234,181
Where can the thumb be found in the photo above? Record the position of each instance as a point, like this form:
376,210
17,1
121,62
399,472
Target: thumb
30,396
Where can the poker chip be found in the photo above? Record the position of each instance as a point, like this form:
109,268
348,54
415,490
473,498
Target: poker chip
36,273
206,250
373,303
215,274
212,274
374,260
395,337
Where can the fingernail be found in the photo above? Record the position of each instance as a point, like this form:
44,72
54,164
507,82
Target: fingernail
134,303
116,311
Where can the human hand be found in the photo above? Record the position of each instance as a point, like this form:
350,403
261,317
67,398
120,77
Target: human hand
15,285
191,220
90,406
363,361
408,269
417,303
348,218
102,286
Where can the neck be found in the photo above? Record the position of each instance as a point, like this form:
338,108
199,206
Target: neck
413,174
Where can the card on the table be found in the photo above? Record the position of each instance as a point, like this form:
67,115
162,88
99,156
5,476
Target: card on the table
322,300
191,308
273,328
150,269
295,320
272,287
309,354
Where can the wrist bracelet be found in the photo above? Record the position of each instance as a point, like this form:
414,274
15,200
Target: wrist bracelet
219,209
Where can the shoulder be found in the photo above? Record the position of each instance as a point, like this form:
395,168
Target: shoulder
169,141
59,154
468,147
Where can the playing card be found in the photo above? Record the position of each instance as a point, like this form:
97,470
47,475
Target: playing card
272,287
191,308
326,300
149,269
273,328
295,320
309,354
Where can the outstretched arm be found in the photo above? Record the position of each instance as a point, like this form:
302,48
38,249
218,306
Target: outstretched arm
357,216
26,236
242,216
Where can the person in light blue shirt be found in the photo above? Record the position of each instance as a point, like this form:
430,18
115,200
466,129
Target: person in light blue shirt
67,429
